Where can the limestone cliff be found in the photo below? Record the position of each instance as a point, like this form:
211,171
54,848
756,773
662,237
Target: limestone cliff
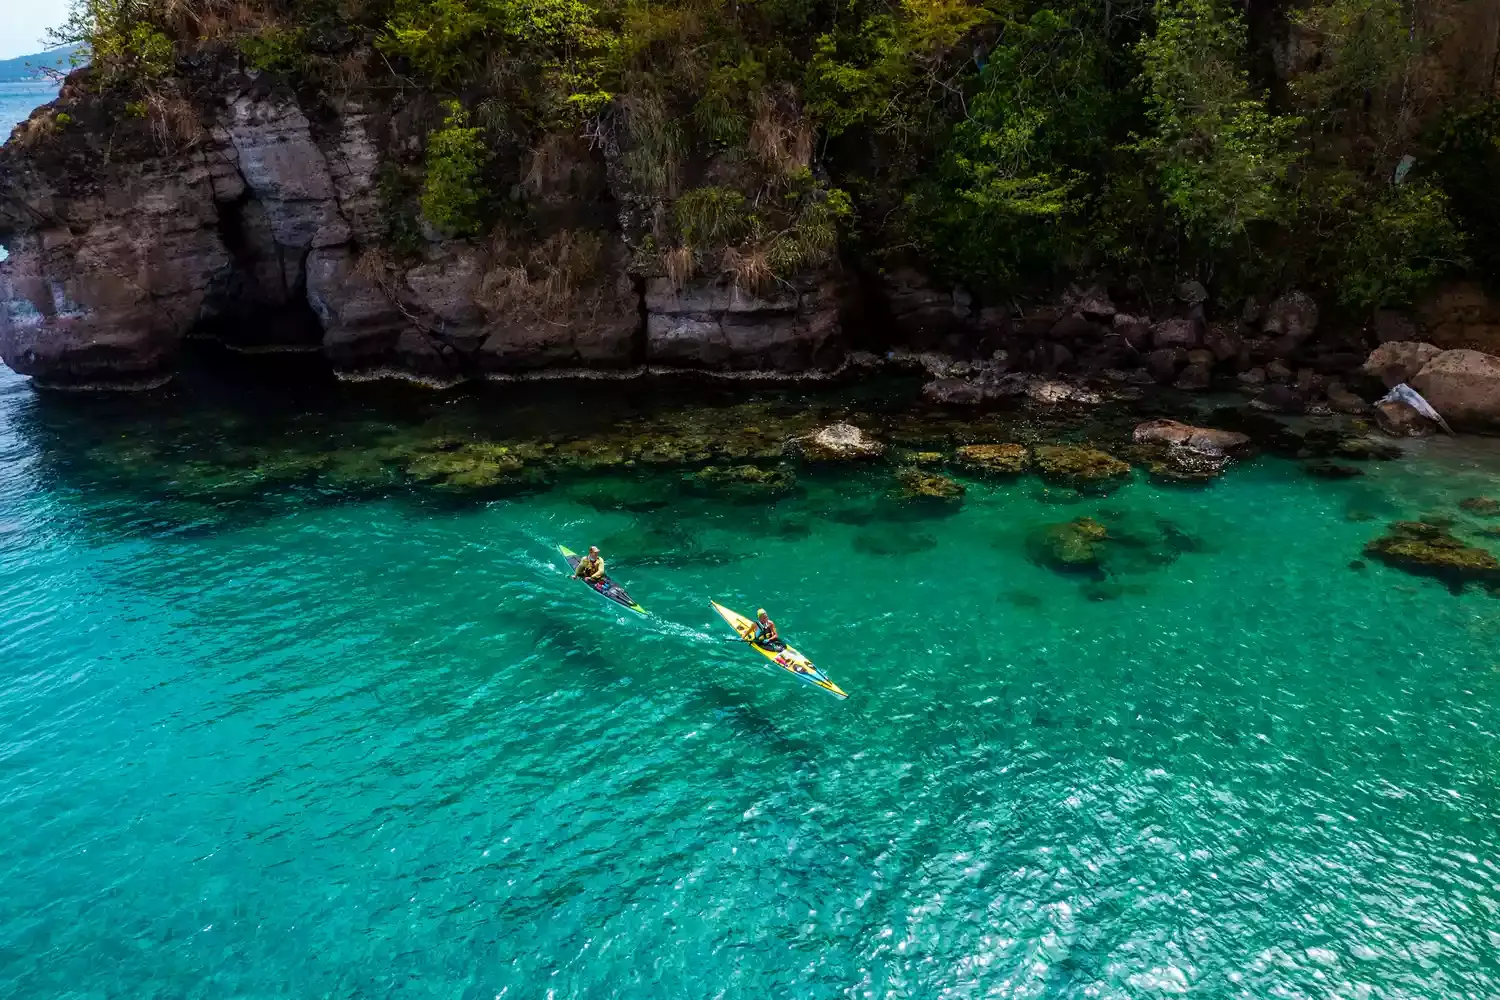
242,214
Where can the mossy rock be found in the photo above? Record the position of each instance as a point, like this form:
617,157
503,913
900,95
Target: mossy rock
1483,506
471,465
919,484
928,458
1431,550
588,454
1073,546
995,459
746,479
1080,467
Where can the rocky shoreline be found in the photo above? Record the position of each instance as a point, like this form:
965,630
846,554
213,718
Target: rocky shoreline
263,225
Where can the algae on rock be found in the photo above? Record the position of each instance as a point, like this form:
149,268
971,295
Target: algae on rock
1080,467
995,459
1428,549
915,483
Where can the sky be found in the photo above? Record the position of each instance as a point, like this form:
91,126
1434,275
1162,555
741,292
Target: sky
24,22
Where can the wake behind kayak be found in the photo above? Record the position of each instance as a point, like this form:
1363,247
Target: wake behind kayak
605,588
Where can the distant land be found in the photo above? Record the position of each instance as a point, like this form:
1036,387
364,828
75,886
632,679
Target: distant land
30,67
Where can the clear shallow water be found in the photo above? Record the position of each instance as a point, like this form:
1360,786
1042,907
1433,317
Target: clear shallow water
377,745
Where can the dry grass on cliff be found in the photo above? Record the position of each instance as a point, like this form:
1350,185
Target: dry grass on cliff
748,267
174,122
780,138
544,280
679,263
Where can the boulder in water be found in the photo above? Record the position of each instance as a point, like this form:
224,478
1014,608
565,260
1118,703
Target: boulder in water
995,459
840,442
1428,549
1081,467
1204,440
919,484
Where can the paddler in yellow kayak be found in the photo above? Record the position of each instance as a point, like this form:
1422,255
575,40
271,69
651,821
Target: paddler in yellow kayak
765,635
590,567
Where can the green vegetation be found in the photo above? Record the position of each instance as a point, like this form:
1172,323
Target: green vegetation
1005,144
452,195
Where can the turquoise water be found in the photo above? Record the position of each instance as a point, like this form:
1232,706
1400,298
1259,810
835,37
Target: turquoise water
287,740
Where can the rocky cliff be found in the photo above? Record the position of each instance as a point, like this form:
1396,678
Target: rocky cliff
241,211
241,214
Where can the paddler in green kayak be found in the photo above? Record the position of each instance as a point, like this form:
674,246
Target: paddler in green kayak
765,635
590,567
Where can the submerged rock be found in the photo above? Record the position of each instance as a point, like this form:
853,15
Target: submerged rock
472,465
893,543
1363,448
1081,467
995,459
1332,470
1428,549
918,483
1072,546
840,442
1483,506
746,479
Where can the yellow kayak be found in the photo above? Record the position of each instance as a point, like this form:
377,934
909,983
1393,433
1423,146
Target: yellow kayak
786,657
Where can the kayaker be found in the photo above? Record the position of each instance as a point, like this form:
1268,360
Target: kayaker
765,633
590,567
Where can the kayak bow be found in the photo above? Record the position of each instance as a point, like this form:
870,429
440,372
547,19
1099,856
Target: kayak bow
605,588
786,658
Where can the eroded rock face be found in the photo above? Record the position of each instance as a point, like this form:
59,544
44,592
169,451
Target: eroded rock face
113,263
722,326
102,284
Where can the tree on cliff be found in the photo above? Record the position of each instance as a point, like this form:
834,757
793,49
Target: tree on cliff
1007,142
